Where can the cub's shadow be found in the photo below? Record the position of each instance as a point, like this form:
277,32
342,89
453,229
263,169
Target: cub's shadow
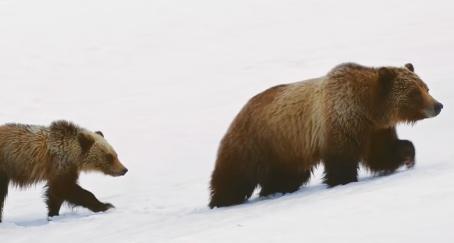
64,217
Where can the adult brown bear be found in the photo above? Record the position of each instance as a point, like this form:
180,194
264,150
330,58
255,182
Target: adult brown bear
339,119
55,154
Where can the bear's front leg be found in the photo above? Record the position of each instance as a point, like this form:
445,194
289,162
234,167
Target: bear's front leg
340,169
385,153
406,152
340,155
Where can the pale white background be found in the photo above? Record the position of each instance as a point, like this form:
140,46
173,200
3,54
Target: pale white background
164,78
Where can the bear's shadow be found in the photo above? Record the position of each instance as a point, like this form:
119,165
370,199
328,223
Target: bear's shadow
314,190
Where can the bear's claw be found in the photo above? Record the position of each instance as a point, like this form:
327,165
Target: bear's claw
409,163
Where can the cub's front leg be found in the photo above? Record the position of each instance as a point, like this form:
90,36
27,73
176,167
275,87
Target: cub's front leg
4,181
65,188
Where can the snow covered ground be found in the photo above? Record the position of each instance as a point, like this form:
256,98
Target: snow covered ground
164,78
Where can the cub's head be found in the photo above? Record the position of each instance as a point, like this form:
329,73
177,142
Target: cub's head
405,96
98,154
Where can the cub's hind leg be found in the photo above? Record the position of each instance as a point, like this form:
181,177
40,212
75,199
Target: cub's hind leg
4,181
53,201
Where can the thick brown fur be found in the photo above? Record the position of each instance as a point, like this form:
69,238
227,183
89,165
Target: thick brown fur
339,119
56,154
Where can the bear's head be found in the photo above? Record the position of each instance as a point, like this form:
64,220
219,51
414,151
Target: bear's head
98,154
405,96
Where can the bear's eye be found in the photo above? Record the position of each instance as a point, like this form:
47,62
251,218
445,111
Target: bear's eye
109,158
414,94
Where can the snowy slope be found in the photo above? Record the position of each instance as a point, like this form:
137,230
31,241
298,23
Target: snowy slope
164,78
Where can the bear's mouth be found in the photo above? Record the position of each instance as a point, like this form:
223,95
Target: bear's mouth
430,112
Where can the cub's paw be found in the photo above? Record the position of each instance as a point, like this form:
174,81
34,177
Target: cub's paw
108,206
406,153
103,207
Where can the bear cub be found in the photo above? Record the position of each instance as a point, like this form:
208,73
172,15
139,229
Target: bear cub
55,154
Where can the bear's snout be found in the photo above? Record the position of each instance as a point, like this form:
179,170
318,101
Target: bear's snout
437,108
433,109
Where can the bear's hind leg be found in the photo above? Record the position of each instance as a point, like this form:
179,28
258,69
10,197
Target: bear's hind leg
231,185
4,181
283,180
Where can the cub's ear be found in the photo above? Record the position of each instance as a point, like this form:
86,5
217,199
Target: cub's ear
85,141
410,67
386,78
99,133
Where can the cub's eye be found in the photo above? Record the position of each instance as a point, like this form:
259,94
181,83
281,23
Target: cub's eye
109,158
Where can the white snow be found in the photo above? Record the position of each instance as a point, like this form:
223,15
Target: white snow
164,78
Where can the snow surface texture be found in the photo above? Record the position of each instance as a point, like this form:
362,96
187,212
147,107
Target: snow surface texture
163,79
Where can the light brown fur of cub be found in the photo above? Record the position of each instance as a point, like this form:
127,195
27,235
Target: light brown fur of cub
56,154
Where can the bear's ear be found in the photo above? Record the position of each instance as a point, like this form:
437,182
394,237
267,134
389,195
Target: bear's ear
99,133
410,67
386,78
85,141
